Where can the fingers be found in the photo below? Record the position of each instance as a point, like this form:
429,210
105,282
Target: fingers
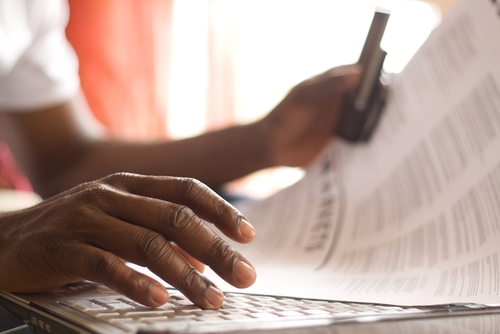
104,267
97,224
327,86
138,218
150,245
152,250
141,229
345,77
187,192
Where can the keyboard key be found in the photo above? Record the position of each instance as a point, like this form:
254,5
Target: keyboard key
236,305
265,303
166,306
181,302
208,312
210,317
235,311
315,307
289,313
236,316
316,302
127,324
287,308
140,314
291,302
108,316
240,299
264,315
336,309
363,308
262,309
120,307
258,298
153,320
316,312
85,305
183,317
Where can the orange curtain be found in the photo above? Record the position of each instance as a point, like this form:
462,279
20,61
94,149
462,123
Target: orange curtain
123,68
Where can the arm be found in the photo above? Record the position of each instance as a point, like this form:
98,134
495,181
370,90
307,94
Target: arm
84,232
58,151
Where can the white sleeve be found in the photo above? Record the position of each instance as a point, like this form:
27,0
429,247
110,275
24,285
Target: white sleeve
46,73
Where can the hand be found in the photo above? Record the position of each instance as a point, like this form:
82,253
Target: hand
301,125
85,232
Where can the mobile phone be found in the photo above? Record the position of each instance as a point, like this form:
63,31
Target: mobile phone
364,106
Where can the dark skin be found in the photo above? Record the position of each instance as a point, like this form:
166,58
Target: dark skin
93,221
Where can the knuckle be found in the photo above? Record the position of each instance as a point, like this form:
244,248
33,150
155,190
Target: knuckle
120,179
221,207
103,264
191,186
188,277
154,246
96,192
96,197
180,218
219,250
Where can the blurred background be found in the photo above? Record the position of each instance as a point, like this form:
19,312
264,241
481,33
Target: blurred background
154,69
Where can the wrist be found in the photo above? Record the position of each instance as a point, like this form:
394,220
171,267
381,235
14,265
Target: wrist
262,133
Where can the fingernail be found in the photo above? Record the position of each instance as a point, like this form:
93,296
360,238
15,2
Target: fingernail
244,273
247,230
158,293
214,296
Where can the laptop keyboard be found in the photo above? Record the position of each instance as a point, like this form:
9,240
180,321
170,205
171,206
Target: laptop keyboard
179,312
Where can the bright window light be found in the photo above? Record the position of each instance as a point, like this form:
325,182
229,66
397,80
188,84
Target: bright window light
283,42
279,44
187,87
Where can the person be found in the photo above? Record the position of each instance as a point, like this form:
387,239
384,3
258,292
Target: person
107,201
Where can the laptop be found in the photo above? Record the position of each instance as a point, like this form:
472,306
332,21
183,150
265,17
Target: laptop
89,307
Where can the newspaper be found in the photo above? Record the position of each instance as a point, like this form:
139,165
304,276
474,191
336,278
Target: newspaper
413,216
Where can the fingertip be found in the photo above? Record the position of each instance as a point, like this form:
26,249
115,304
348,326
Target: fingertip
247,230
158,294
244,273
353,77
214,297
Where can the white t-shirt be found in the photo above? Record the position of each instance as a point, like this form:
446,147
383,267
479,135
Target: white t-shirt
38,67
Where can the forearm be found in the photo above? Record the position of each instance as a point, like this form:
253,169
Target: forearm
57,149
213,158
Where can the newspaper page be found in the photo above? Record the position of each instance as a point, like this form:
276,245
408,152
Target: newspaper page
413,216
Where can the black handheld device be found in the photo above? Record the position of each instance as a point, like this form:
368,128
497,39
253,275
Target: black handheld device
364,106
